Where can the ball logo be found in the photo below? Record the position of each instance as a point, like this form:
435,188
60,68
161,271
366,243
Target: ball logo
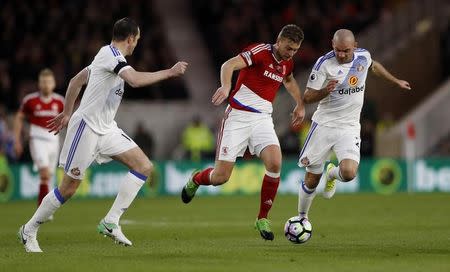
353,80
312,77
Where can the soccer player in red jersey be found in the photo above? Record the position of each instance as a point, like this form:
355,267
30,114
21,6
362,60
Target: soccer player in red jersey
38,108
248,122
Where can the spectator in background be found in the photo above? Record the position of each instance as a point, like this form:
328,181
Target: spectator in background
144,139
198,140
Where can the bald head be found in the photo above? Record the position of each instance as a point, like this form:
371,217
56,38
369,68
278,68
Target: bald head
344,35
343,45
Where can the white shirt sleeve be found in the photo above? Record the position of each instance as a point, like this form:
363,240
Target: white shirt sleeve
316,79
112,61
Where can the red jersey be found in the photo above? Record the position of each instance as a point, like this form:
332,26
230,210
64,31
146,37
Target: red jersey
260,81
39,111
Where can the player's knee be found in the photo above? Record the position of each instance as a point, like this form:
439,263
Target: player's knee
273,165
44,174
348,173
146,168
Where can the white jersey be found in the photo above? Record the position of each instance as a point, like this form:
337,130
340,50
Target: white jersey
342,108
104,90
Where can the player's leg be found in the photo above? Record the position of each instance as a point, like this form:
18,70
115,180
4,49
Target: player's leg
232,140
347,152
40,154
44,185
118,146
271,157
315,151
80,140
50,203
216,176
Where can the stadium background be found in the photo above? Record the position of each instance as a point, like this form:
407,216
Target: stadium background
406,137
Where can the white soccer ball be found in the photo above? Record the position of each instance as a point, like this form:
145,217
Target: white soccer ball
298,230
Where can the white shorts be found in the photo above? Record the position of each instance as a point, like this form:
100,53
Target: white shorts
242,129
44,153
82,146
322,140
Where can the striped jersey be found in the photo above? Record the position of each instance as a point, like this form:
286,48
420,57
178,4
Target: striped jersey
342,108
258,83
104,90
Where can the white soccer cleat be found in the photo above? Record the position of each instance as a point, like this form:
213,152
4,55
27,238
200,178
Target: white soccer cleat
29,241
330,185
114,232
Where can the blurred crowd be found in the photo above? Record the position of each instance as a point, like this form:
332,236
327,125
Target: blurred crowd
229,26
66,35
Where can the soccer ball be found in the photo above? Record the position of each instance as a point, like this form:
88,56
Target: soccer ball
298,230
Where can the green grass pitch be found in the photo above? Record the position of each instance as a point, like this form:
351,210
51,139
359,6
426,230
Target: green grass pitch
361,232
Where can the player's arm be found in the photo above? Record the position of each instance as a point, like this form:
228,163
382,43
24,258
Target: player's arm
17,129
73,90
313,95
139,79
379,70
294,90
226,73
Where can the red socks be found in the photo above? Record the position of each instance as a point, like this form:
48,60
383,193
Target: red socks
43,191
268,192
202,178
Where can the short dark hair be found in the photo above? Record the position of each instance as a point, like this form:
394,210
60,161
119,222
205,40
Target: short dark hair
292,32
124,28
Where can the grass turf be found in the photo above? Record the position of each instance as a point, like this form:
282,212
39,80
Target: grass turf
362,232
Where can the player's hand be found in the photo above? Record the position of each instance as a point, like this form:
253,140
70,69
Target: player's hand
331,86
403,84
58,123
298,114
220,95
179,68
18,148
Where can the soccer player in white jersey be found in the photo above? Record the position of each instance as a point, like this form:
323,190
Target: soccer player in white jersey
338,81
93,134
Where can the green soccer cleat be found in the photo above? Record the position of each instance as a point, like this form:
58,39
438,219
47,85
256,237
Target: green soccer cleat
330,185
263,226
188,192
114,232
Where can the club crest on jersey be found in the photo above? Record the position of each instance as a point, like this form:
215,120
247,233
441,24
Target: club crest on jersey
305,161
38,107
280,69
225,150
75,171
353,80
54,106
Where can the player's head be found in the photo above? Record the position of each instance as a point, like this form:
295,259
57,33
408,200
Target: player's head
126,31
289,40
344,45
46,82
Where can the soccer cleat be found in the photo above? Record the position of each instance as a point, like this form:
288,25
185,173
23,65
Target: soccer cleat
114,232
263,226
330,185
188,192
29,242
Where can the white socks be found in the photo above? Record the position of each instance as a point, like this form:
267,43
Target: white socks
127,192
50,203
335,174
305,198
